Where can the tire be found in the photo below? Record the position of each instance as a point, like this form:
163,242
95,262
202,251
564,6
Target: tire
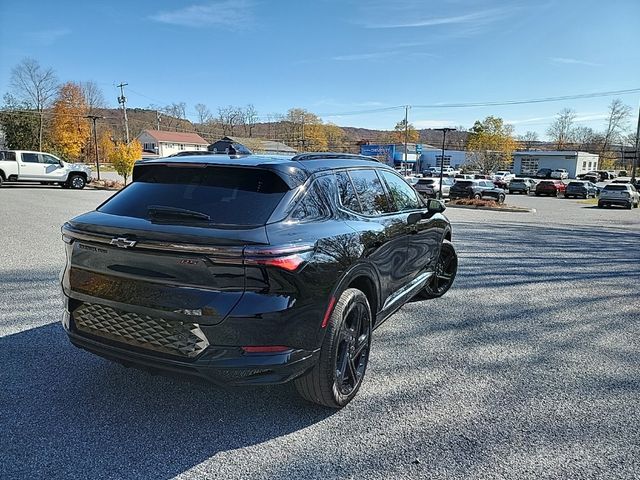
557,193
77,182
344,355
600,205
537,194
629,206
444,274
477,196
501,198
1,180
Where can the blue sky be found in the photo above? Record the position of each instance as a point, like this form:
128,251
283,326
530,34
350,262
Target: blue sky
337,56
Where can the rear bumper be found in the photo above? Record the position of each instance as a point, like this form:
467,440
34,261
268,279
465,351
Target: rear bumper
616,201
222,365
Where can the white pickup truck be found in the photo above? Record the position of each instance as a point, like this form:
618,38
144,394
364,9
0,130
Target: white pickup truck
27,166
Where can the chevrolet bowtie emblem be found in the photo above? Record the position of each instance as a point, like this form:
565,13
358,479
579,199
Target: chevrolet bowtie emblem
122,242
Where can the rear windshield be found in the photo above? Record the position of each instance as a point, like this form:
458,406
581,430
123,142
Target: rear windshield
230,196
426,181
547,183
615,187
518,180
576,184
464,183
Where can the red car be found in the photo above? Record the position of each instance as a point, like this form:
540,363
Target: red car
550,187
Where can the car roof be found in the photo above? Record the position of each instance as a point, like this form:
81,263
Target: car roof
295,169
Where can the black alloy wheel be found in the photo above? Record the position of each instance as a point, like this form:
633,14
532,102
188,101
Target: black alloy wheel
344,354
353,349
477,196
501,198
444,274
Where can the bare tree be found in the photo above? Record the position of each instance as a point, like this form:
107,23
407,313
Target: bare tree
561,129
528,140
174,113
93,96
249,118
36,87
204,114
618,116
584,137
229,117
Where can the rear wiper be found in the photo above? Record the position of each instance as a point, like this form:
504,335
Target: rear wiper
163,211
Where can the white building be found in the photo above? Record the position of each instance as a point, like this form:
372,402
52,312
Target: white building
530,161
431,157
167,143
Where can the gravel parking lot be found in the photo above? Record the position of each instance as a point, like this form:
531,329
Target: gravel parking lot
528,368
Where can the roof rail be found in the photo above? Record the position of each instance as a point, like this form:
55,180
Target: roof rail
328,155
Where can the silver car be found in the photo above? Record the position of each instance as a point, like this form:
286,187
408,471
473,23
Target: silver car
430,186
623,194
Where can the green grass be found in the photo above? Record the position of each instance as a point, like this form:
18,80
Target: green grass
589,201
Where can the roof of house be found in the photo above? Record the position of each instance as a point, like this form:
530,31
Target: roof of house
176,137
558,153
261,144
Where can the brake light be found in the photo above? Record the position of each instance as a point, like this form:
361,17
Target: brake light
265,349
288,257
289,263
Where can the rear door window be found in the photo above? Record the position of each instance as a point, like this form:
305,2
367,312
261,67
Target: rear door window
230,196
30,157
404,197
373,198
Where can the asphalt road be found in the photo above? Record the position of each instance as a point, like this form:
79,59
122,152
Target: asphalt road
528,368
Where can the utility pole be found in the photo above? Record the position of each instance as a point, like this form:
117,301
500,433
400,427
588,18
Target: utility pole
158,119
95,140
444,136
303,133
636,160
122,100
406,138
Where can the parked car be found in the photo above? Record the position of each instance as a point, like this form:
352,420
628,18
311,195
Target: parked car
411,179
550,187
463,176
522,185
253,270
42,167
582,189
504,175
623,194
544,173
559,173
476,189
429,187
622,180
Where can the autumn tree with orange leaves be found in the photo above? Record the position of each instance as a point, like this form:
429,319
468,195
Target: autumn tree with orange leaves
70,130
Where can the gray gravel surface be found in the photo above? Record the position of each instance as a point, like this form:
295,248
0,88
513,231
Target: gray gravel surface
528,368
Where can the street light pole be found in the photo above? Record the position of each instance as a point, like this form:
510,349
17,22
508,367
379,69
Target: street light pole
444,136
637,157
95,140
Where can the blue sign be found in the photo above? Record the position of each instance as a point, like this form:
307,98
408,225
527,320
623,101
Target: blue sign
418,148
385,151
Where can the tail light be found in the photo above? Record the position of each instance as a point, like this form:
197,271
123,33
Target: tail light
288,258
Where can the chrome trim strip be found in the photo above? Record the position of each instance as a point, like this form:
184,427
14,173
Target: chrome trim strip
414,284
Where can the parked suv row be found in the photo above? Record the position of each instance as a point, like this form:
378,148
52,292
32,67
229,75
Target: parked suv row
253,269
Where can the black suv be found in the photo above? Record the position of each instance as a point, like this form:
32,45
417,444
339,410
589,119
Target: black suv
478,189
253,269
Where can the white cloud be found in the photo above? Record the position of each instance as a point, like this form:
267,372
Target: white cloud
363,56
232,14
574,61
480,17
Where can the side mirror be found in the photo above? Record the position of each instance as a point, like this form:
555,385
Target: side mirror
435,206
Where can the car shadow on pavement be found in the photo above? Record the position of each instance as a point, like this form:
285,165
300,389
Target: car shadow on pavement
69,414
